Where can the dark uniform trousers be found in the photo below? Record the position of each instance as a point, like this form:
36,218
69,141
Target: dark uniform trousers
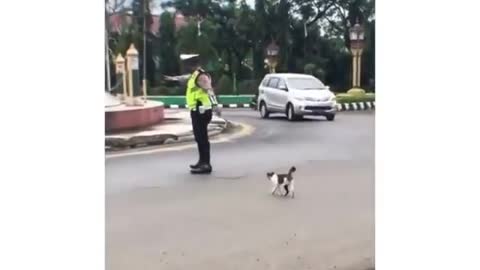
200,132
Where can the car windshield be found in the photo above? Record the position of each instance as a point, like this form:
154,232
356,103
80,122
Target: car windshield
305,83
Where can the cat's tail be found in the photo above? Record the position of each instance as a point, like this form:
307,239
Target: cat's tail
291,171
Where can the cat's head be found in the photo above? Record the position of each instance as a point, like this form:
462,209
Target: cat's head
270,174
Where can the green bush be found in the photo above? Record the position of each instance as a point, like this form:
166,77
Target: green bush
348,98
247,87
309,68
224,86
166,91
356,92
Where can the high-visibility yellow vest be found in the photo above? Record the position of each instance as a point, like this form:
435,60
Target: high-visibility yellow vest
196,95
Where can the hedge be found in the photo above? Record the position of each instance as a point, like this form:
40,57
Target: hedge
347,98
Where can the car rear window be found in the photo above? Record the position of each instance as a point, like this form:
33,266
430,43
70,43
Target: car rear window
265,81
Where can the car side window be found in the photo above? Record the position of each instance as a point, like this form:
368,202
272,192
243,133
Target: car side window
273,83
282,84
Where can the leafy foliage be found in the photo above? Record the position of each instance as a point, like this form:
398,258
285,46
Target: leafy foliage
231,37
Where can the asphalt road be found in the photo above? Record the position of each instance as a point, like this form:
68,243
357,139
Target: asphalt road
159,216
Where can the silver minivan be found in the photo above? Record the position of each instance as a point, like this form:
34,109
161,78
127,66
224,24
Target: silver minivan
295,95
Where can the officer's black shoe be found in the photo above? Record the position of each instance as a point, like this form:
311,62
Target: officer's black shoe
195,166
202,169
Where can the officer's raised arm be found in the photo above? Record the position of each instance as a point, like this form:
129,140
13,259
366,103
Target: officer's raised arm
180,78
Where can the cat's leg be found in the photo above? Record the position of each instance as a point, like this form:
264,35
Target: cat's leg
275,187
286,190
292,189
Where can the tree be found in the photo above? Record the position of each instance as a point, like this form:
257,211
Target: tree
111,6
312,11
234,34
313,36
244,36
203,8
343,15
142,20
260,34
167,45
282,32
190,40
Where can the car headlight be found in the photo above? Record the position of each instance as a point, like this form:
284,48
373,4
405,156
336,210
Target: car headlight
333,100
299,98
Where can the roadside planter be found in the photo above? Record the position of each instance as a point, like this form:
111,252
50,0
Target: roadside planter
355,101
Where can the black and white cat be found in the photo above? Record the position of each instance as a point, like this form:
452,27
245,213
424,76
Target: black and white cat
283,181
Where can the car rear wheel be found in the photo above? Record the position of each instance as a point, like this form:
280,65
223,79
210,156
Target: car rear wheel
263,110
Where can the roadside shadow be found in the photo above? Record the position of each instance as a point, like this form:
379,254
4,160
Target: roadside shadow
303,119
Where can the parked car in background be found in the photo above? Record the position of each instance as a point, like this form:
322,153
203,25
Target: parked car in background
295,95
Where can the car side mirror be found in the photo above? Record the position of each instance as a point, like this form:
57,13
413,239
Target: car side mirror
284,88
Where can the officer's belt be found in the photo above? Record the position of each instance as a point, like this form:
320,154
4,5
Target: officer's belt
204,107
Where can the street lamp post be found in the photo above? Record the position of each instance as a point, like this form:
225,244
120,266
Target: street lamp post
144,81
121,75
357,38
272,56
133,75
107,58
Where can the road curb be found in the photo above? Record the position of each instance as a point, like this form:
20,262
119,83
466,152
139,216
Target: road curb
350,106
356,106
115,144
235,105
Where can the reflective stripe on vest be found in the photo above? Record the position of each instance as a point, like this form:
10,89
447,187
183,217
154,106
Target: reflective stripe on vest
195,94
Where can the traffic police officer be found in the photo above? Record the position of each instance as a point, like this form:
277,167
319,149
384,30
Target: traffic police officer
200,100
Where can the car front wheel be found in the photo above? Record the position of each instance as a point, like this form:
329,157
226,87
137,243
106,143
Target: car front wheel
330,117
291,113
